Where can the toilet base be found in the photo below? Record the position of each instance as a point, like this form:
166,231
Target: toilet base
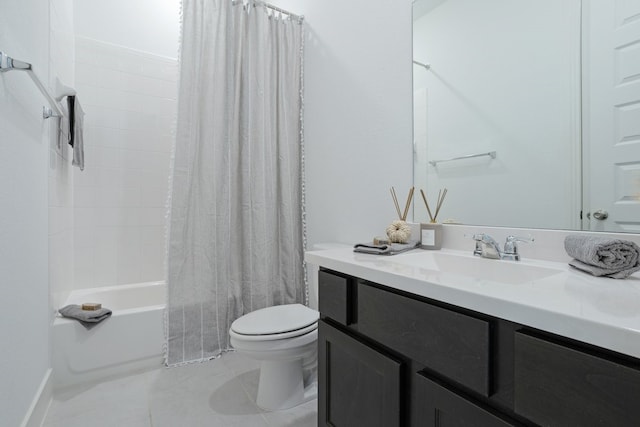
282,385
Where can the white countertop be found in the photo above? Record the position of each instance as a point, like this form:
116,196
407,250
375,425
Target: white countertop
600,311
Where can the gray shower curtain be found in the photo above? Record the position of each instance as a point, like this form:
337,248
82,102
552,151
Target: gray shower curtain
235,238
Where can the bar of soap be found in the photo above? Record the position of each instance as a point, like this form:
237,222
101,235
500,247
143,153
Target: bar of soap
380,240
91,306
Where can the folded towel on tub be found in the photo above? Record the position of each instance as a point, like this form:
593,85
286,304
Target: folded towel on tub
603,256
88,318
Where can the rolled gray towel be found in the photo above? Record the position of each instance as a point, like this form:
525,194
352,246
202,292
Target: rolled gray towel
88,318
602,256
392,249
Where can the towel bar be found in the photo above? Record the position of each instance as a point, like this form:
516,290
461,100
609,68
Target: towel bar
491,154
8,64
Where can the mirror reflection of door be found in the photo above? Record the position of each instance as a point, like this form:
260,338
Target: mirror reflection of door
611,115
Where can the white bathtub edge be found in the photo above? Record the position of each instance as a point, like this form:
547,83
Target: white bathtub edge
71,380
130,340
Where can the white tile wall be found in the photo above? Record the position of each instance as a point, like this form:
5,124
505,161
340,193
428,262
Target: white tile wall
129,98
61,63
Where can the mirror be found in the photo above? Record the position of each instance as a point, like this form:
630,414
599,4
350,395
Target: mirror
528,112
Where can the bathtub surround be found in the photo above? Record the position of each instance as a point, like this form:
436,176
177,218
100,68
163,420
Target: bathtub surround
236,227
151,26
129,98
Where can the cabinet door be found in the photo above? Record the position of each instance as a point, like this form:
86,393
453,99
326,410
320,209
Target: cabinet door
556,385
435,405
358,386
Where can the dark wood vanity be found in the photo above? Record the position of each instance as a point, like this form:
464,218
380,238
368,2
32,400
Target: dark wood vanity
390,358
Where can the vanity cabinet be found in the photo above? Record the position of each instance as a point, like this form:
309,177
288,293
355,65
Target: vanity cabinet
391,358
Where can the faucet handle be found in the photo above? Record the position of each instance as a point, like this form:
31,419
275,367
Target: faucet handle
478,238
511,246
528,239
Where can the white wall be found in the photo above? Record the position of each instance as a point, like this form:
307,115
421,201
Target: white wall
358,114
24,149
129,98
151,26
505,77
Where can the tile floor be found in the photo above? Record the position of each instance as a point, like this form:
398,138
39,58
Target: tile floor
220,392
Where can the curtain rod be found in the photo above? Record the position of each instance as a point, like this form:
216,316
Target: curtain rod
255,3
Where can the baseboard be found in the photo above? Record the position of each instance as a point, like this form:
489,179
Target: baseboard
41,401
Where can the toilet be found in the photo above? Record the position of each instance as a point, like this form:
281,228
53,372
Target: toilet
284,339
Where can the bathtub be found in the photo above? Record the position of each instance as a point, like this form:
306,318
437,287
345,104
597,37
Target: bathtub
130,340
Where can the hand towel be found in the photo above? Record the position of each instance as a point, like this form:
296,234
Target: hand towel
392,249
603,256
63,129
88,318
76,128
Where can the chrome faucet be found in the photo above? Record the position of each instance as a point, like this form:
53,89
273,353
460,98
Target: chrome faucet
487,247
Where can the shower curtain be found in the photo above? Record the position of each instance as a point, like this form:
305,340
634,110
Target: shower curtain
236,233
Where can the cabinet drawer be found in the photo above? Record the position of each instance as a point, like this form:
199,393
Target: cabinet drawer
557,385
450,343
335,296
436,405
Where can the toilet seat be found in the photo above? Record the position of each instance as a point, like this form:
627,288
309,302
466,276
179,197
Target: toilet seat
275,323
273,337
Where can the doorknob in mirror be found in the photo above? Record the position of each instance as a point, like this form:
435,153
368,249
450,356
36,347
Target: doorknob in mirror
601,215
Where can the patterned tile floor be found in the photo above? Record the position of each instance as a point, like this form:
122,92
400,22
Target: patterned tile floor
220,392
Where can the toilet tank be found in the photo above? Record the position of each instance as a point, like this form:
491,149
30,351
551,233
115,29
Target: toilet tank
312,271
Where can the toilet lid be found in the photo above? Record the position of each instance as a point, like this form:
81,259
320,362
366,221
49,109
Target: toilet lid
275,320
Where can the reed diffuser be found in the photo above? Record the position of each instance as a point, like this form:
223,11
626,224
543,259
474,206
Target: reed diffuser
431,232
399,231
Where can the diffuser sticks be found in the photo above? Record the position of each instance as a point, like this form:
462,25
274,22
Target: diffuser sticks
402,216
441,195
399,231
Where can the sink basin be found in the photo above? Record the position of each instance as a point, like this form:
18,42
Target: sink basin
501,271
